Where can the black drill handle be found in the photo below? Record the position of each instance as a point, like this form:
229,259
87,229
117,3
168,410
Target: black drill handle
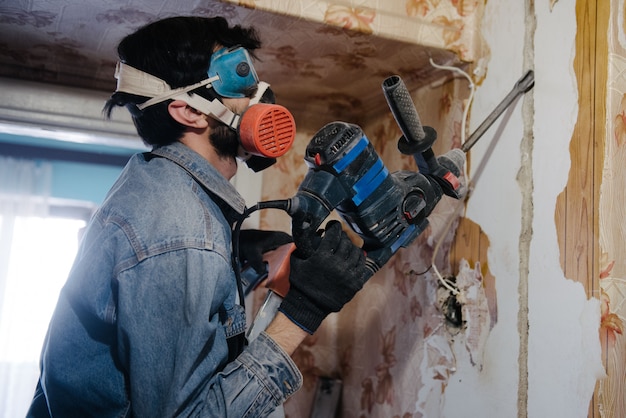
415,139
305,236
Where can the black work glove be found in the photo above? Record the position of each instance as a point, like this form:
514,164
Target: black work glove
326,280
253,243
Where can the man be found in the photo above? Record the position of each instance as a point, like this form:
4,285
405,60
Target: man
150,322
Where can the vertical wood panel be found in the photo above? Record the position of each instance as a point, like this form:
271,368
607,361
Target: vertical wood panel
466,244
576,214
576,202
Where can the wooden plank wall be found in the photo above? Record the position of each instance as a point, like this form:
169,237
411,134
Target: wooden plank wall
576,214
577,208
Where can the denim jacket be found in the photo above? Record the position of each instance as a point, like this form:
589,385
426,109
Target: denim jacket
141,326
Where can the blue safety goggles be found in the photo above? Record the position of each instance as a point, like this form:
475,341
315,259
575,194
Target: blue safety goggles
236,73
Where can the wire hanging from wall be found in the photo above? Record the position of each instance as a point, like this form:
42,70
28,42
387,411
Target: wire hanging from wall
455,291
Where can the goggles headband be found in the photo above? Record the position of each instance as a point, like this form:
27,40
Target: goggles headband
231,74
134,81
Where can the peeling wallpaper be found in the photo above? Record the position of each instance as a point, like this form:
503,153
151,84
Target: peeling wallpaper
499,387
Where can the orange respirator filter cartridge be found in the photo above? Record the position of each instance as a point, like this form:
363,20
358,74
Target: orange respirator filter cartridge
267,130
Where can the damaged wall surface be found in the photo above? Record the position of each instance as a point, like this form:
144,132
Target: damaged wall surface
528,342
543,355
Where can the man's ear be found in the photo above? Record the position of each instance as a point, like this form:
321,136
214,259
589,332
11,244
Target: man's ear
187,115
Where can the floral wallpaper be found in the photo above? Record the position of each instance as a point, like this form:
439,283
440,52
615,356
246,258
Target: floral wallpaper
446,24
612,291
391,346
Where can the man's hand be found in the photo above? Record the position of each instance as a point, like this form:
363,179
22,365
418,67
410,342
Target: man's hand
326,280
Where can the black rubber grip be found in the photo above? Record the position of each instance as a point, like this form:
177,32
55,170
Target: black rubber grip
403,109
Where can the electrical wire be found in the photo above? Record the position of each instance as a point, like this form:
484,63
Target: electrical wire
471,86
455,291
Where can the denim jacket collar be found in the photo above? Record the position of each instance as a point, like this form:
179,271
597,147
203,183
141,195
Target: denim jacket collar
204,173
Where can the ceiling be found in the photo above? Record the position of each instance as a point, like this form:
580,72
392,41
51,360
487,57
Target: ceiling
320,72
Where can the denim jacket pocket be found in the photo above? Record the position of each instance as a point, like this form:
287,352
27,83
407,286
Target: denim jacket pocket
233,320
234,323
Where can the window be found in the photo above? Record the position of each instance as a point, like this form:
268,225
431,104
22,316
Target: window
36,255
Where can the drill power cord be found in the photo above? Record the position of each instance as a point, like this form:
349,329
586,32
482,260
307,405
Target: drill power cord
270,204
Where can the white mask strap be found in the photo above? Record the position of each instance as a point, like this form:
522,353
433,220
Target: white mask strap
262,86
134,81
213,108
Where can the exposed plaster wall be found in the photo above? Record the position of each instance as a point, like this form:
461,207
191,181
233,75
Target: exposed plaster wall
564,349
496,206
542,358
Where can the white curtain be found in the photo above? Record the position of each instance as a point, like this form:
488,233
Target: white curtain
24,193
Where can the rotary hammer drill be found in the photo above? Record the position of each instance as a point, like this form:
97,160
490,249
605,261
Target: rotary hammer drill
387,210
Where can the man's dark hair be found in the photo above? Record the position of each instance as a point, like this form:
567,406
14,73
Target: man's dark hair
177,50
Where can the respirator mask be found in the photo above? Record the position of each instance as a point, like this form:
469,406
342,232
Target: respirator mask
265,130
